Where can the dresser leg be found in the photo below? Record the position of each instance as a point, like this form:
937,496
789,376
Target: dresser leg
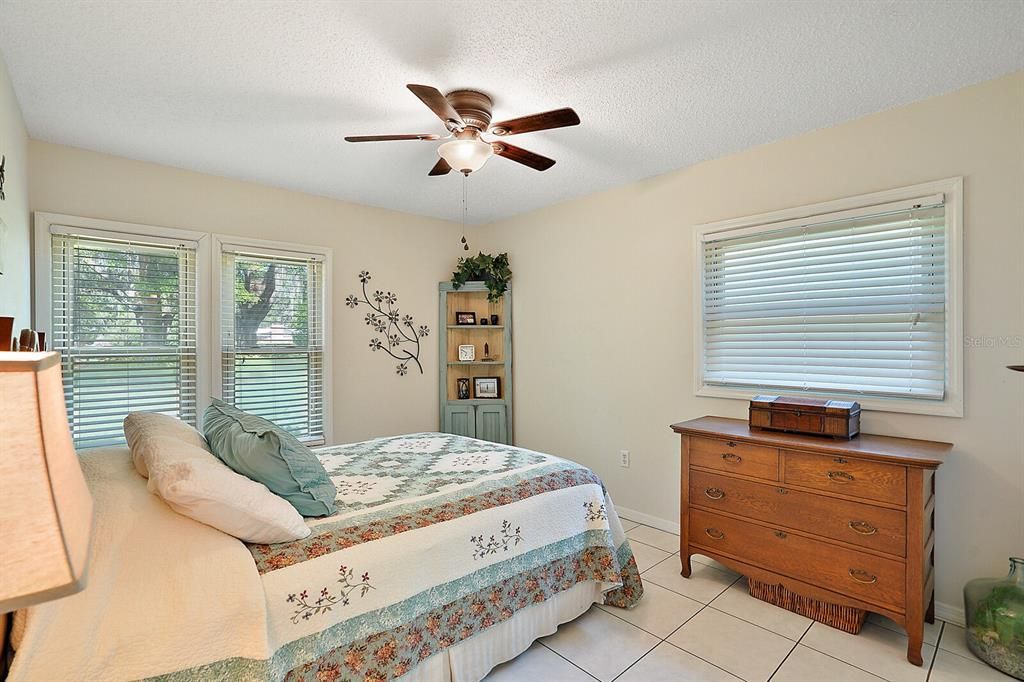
915,633
685,560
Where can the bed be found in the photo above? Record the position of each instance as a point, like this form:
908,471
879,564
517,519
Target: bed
448,556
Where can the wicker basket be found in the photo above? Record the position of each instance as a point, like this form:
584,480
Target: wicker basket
845,618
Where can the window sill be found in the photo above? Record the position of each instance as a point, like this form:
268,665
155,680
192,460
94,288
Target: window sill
950,407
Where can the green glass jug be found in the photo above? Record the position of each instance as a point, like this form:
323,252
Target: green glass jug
995,619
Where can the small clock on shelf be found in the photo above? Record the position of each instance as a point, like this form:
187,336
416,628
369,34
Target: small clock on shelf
467,353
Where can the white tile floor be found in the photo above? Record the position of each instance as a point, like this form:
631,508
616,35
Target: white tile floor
708,628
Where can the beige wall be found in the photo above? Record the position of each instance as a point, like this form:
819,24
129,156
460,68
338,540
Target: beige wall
406,254
604,314
15,285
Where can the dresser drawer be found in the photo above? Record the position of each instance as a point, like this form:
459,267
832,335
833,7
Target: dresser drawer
739,458
857,523
856,574
859,478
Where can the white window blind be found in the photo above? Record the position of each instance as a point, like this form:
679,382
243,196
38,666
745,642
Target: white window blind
272,337
124,321
850,303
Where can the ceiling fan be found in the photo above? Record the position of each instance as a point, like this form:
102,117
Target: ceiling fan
467,115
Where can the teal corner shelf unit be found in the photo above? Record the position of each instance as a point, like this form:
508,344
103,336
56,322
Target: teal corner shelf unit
484,418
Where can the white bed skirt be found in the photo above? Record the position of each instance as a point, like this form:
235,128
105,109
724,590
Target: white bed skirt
472,659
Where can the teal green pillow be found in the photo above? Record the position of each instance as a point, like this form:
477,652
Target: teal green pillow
256,448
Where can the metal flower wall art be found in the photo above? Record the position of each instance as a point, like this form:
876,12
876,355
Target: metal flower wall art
399,335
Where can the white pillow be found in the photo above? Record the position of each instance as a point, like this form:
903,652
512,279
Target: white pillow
196,484
139,427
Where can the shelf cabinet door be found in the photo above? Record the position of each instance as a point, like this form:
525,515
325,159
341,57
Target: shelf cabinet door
491,423
460,420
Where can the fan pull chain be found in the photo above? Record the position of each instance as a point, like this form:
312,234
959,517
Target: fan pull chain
465,209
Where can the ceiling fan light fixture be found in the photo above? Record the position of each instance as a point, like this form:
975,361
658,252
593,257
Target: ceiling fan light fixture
466,155
466,115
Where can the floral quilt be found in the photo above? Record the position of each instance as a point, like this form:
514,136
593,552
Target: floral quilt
437,538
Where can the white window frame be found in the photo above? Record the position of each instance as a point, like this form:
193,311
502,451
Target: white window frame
208,263
43,310
952,405
287,249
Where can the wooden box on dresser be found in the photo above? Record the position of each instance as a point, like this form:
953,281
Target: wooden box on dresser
849,522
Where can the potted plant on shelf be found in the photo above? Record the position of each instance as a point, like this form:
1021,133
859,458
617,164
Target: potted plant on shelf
491,270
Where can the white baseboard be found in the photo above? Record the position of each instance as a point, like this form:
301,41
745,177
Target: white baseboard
950,614
947,612
648,520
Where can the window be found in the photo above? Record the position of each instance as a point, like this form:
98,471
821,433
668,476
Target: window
124,318
854,298
128,307
272,318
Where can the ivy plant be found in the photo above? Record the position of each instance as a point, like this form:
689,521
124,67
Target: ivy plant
491,270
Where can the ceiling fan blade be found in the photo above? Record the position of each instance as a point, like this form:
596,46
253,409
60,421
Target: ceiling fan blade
440,105
440,168
520,155
559,118
386,138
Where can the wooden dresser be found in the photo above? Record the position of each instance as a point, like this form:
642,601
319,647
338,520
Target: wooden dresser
849,522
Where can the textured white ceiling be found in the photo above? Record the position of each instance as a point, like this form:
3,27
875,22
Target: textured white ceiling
265,91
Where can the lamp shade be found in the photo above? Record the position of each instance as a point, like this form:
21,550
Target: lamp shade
45,507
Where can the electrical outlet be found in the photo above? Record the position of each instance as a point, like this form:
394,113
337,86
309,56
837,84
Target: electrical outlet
624,458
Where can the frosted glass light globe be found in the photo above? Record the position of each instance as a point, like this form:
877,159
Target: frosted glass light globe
467,155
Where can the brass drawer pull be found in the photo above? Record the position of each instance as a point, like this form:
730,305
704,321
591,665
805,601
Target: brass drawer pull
863,576
840,477
731,443
840,460
862,527
731,458
714,493
781,535
714,533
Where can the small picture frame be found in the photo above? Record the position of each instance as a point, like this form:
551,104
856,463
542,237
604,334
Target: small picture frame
486,387
467,353
463,317
463,388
